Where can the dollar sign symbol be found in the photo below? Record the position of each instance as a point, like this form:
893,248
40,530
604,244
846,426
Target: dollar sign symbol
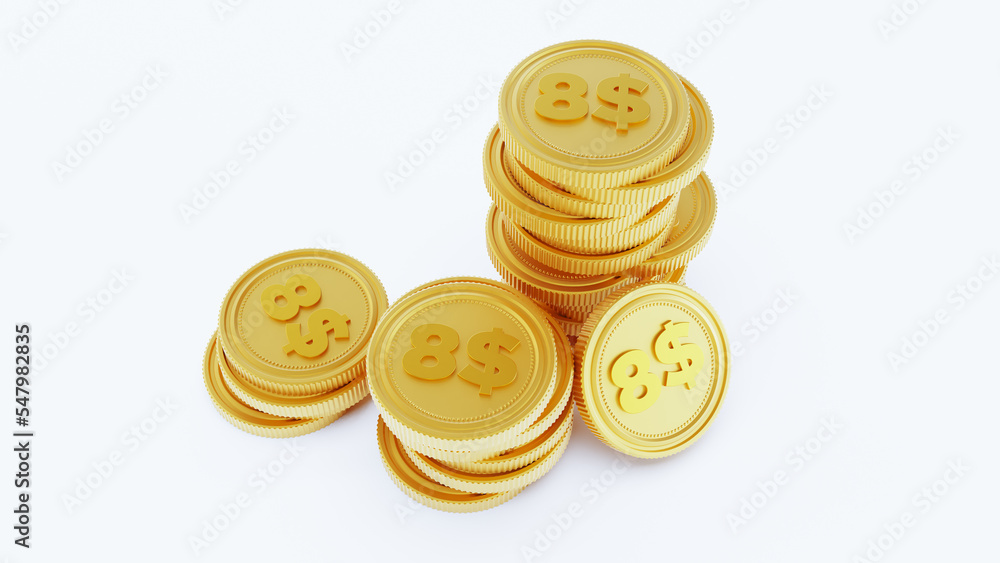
316,341
669,350
498,370
629,108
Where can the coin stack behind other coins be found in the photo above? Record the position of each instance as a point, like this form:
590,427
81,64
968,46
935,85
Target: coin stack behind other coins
289,356
473,383
595,172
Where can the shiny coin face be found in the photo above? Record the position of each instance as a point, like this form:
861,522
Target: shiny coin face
299,323
652,369
593,113
460,365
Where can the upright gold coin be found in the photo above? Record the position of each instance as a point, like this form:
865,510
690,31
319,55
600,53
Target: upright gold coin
463,366
652,366
246,418
298,323
593,114
421,488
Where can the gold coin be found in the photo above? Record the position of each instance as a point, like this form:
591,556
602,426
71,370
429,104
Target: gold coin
549,417
540,282
311,406
421,488
464,366
613,201
653,223
583,264
652,366
580,314
593,114
247,418
694,220
522,456
298,323
546,223
485,483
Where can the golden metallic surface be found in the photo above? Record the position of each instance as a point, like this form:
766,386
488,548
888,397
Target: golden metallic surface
653,223
545,222
695,219
485,483
421,488
580,314
583,264
247,418
325,404
616,200
521,456
463,366
652,367
593,114
298,323
538,281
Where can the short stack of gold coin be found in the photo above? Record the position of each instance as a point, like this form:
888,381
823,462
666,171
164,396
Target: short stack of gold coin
289,356
595,172
473,384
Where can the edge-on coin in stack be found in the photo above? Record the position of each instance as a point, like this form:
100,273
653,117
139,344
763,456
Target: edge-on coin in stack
289,356
472,382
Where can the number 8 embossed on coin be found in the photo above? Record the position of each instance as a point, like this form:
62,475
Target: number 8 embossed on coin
652,369
464,360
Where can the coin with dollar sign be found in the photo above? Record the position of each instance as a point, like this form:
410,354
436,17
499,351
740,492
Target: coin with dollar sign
464,366
652,369
593,114
298,323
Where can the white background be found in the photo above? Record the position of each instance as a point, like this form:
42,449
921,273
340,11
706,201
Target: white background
321,182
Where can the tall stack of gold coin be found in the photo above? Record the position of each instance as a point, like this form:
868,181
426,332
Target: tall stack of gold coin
289,356
595,172
473,383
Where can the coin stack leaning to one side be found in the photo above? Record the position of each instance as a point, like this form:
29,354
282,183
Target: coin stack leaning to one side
595,172
289,356
472,382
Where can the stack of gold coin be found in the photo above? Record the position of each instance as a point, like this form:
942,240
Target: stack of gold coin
595,172
289,356
472,382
